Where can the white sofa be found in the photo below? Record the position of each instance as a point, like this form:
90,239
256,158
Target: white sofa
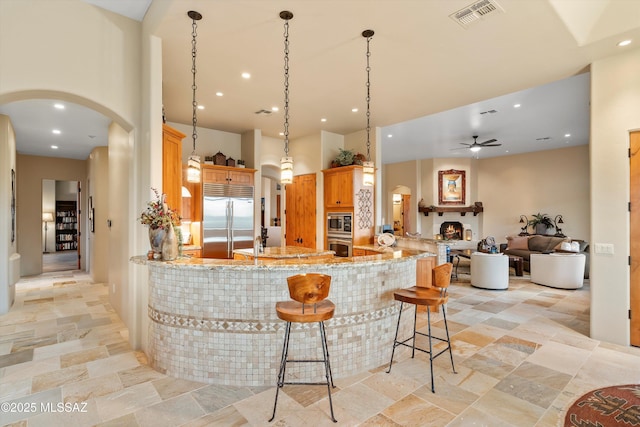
489,271
558,270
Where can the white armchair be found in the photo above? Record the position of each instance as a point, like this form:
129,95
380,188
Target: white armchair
564,271
489,271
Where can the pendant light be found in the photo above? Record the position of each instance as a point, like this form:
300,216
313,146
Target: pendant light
286,163
368,167
193,164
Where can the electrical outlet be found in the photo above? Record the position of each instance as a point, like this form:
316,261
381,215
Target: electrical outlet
604,248
113,288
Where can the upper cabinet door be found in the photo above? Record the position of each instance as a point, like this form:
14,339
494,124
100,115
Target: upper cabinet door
227,175
172,166
338,187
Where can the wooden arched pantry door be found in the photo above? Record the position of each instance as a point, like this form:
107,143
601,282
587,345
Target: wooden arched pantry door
300,211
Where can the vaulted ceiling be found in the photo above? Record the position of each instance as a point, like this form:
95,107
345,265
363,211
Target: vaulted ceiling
434,81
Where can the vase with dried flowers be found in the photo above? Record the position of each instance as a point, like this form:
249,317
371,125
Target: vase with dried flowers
163,225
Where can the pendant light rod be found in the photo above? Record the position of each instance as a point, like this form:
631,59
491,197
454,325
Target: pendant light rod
193,163
368,34
368,167
286,15
286,163
195,16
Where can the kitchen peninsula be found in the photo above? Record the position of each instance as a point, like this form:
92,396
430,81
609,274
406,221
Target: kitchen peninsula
214,320
282,252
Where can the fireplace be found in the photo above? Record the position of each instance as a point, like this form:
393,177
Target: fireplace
451,230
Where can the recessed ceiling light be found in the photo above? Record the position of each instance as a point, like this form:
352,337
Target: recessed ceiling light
219,94
55,147
516,106
275,109
200,107
58,106
354,110
624,43
323,120
567,135
246,75
56,131
281,133
389,136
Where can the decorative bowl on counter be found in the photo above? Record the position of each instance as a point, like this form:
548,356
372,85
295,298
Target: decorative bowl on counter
386,239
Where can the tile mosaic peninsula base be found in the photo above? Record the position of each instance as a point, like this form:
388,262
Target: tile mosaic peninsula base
209,325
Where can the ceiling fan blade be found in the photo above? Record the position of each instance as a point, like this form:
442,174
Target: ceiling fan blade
459,148
464,143
487,142
490,145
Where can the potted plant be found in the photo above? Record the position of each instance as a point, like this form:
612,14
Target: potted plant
164,230
345,157
541,223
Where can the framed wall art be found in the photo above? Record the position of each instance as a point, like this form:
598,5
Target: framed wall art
451,187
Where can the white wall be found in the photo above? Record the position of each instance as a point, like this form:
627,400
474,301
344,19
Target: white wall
96,62
555,182
98,183
209,142
7,246
615,111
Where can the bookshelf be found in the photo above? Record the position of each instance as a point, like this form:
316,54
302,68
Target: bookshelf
66,226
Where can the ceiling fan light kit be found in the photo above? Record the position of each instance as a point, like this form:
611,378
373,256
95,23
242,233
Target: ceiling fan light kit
477,146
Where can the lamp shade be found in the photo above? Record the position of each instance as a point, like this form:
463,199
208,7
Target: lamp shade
47,217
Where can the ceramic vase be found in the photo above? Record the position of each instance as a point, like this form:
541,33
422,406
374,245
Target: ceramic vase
170,245
156,236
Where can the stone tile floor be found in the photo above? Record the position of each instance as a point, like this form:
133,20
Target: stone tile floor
522,356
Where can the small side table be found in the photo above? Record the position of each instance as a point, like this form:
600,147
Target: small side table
517,262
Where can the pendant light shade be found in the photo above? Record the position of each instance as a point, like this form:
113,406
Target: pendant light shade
193,164
286,163
286,170
368,173
368,167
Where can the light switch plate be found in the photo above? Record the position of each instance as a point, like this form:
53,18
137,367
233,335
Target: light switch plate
604,248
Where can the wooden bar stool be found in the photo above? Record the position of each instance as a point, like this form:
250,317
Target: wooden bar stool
308,292
436,296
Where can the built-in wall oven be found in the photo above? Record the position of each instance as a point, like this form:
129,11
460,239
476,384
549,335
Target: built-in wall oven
339,237
339,223
342,246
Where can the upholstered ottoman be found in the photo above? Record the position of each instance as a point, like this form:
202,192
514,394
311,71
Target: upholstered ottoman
564,271
489,271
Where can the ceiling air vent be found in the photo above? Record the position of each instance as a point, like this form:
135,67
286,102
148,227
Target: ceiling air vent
475,11
263,112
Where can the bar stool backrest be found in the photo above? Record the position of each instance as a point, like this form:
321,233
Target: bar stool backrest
442,277
309,288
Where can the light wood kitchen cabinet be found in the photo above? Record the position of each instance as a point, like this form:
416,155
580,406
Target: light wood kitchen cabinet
191,206
227,175
344,192
300,213
194,253
338,187
364,252
172,166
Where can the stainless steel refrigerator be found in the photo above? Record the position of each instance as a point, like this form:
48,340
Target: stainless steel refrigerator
227,219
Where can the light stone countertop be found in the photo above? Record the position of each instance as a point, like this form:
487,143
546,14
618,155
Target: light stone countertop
280,252
272,263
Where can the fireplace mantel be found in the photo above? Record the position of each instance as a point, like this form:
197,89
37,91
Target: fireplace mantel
475,209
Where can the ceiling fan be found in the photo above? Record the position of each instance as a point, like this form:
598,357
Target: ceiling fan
477,146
